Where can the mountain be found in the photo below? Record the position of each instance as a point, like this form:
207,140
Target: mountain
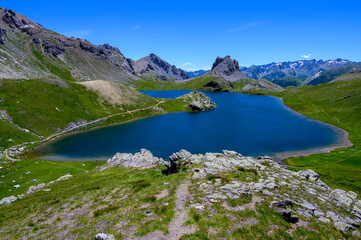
197,73
298,69
153,64
330,75
227,68
28,51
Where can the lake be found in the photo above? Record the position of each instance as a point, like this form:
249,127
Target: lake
251,125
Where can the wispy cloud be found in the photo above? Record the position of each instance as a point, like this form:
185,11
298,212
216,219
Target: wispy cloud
186,64
246,26
306,56
79,33
136,27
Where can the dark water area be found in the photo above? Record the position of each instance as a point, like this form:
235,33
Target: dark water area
251,125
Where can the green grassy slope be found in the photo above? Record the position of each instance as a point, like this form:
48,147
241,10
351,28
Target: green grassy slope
44,107
288,81
128,202
336,103
198,83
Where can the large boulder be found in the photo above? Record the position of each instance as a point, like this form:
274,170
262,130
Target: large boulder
140,159
309,175
8,200
177,160
103,236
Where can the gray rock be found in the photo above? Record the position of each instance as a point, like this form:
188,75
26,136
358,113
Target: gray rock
319,213
308,206
103,236
282,203
352,222
332,215
324,220
352,195
356,234
200,102
8,200
16,186
34,189
288,216
216,197
140,159
2,36
342,226
309,175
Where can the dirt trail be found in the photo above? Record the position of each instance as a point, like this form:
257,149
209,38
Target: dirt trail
176,227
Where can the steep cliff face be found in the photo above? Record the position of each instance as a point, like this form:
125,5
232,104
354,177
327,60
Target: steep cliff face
153,64
227,68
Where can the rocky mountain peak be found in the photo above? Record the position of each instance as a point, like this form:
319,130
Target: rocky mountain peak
227,68
154,64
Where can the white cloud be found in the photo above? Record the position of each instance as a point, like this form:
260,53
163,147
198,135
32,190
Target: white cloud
79,33
136,27
306,56
186,64
248,25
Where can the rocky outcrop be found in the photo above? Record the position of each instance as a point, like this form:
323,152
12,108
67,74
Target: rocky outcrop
14,22
156,65
8,200
198,101
103,236
227,68
2,36
54,49
144,158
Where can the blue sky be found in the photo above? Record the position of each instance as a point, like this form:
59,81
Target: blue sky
191,34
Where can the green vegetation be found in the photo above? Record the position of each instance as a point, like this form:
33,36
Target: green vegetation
46,107
22,172
337,103
118,198
288,81
198,83
329,75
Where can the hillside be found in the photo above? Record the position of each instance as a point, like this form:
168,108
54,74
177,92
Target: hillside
30,51
211,196
336,103
330,75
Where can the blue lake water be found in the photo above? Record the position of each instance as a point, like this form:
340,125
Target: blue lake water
251,125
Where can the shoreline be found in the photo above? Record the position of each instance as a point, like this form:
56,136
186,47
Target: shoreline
343,138
343,141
